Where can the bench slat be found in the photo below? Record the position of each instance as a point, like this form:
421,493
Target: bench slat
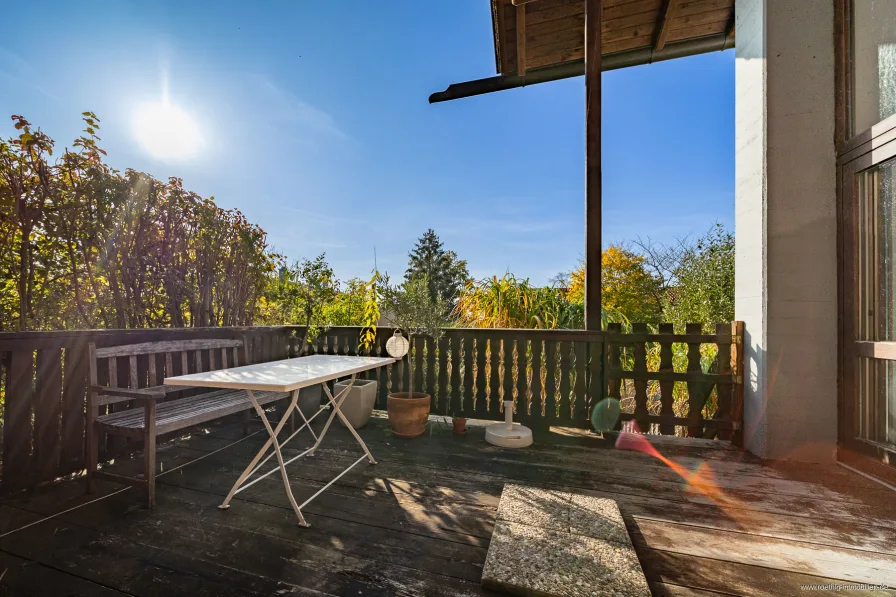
125,418
126,350
151,370
186,412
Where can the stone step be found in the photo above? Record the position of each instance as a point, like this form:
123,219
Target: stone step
554,543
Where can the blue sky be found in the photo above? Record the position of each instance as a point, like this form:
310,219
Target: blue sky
315,123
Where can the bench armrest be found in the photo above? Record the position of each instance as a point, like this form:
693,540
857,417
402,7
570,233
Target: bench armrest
141,394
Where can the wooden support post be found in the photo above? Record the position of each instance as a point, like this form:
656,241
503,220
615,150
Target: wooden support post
592,164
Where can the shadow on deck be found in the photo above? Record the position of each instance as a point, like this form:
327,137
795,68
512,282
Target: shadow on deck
707,520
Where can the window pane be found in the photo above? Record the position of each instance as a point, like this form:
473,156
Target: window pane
877,253
873,62
877,401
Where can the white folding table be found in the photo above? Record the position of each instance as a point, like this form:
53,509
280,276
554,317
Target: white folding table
289,375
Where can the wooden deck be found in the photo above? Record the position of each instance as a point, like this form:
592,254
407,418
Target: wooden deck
419,522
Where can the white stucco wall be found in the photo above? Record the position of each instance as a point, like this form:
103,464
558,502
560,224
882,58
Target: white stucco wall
785,225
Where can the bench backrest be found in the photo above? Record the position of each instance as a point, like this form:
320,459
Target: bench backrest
146,364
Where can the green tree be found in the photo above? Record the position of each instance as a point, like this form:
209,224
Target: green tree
703,288
302,293
446,274
627,287
414,310
83,245
510,302
348,305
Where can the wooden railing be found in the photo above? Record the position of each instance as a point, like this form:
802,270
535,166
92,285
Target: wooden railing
44,386
663,381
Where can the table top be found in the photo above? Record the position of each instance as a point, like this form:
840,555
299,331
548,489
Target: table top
281,376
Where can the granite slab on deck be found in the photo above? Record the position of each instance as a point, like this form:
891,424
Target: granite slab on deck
553,543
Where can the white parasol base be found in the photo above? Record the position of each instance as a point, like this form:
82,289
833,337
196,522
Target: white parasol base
508,434
519,436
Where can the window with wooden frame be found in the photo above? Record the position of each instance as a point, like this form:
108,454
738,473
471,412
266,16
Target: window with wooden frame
866,143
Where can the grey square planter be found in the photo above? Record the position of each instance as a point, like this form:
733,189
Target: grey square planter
359,403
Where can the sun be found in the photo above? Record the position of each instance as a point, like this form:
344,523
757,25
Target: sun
166,132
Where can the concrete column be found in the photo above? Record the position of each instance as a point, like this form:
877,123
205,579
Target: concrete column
786,227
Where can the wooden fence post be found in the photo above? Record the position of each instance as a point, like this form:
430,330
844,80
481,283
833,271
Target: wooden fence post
667,387
614,364
739,369
696,398
640,372
724,389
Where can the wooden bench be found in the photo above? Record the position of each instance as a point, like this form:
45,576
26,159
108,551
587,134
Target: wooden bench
141,411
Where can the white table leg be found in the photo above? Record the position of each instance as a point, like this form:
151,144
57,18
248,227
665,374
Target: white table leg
255,465
338,411
308,421
273,433
252,465
337,403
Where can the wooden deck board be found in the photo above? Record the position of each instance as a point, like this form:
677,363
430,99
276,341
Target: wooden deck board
419,522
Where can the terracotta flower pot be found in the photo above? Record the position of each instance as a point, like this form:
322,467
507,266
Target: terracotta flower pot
460,425
408,413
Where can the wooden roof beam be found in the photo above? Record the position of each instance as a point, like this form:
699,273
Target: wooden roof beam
729,30
669,15
520,39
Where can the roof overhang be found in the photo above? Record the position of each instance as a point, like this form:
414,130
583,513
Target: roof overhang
537,41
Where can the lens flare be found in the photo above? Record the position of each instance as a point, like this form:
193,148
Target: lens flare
605,414
701,480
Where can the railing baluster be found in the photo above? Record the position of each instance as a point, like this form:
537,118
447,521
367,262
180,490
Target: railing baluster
550,382
507,364
522,380
468,375
382,374
494,378
74,396
419,343
696,399
537,389
481,408
456,403
737,372
444,400
17,434
47,409
640,367
406,370
595,378
724,389
564,413
431,372
614,364
579,406
395,376
667,387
